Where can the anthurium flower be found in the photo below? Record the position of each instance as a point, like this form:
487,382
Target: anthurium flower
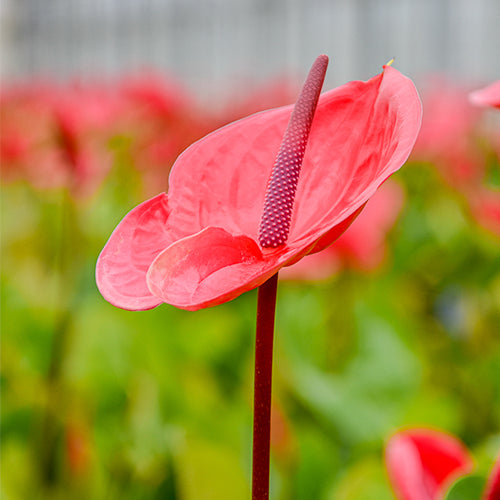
26,114
447,137
449,119
84,116
484,205
56,136
160,120
487,96
213,237
492,490
423,463
257,97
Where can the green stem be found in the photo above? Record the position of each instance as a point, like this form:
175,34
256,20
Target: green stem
66,266
266,306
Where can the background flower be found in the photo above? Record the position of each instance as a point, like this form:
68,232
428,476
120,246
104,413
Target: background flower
423,464
362,246
487,96
459,140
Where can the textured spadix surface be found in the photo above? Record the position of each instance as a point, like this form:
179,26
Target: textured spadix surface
280,193
198,245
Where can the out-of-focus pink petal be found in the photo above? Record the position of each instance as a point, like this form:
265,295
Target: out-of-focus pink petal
207,269
485,208
252,97
152,91
448,120
492,491
422,463
487,96
362,246
123,263
57,136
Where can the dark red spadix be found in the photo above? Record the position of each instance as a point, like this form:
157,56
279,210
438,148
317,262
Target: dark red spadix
280,194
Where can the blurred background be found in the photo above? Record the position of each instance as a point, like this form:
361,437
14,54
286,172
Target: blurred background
396,325
212,44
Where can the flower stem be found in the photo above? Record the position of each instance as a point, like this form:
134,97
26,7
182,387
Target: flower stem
266,306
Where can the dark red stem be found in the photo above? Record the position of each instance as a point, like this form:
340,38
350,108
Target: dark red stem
266,306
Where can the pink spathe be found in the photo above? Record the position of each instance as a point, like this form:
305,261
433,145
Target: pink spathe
197,246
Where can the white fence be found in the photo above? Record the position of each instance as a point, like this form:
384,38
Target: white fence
208,43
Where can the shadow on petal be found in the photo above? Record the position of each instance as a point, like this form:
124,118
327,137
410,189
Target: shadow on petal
208,268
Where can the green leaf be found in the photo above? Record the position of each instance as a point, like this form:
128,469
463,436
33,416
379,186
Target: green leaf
366,479
467,488
207,471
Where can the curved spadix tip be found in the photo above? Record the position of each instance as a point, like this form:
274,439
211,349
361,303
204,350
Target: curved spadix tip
282,185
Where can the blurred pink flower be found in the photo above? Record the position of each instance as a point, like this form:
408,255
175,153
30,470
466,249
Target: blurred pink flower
55,136
487,96
85,116
484,205
160,119
423,463
278,92
492,490
28,128
455,139
362,246
448,119
484,201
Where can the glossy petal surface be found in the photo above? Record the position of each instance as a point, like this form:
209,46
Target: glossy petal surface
209,264
361,133
422,463
362,246
135,243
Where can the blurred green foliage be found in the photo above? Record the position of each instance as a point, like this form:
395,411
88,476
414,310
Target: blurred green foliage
102,403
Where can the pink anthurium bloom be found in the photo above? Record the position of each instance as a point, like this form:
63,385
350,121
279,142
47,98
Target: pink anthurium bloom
55,136
279,92
484,205
484,202
449,119
209,239
161,120
83,118
26,142
492,490
487,96
423,463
